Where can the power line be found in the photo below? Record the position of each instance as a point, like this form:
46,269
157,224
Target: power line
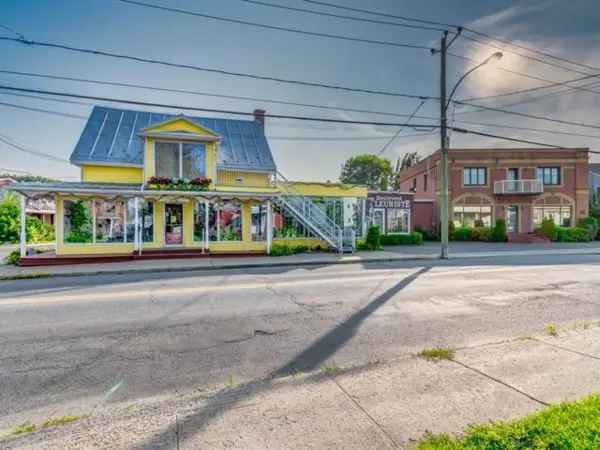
484,124
530,116
199,93
506,138
345,138
213,110
13,31
468,29
340,16
12,143
388,143
213,70
275,27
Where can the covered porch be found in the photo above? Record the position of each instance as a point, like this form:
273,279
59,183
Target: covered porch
115,222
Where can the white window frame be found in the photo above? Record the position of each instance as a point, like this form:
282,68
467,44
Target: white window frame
180,145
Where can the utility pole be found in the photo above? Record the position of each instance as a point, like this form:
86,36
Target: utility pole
444,149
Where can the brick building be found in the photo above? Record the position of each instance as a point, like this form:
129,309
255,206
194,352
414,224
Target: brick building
521,185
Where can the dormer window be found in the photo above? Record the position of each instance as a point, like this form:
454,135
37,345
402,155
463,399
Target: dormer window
180,159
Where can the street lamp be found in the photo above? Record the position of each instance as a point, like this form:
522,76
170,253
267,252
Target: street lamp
444,103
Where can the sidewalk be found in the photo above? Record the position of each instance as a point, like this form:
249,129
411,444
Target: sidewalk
383,405
429,251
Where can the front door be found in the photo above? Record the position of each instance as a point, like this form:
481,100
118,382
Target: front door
173,224
379,219
512,219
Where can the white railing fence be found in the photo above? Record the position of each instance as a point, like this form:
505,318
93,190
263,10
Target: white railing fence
519,187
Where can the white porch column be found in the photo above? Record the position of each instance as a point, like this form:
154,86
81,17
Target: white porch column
269,227
136,225
23,234
206,217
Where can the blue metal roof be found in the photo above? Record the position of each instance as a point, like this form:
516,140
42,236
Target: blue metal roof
112,136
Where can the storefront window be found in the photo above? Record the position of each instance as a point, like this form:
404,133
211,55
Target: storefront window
229,225
398,221
146,212
560,215
472,216
77,221
285,225
199,221
259,222
110,221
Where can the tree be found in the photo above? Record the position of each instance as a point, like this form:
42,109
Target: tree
408,160
367,169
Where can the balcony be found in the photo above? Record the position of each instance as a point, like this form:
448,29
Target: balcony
518,187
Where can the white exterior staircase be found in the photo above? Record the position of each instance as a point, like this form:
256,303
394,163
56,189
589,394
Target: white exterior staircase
313,217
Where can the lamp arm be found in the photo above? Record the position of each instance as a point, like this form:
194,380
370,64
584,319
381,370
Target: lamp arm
461,79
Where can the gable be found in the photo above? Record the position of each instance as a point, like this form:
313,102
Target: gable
180,125
115,136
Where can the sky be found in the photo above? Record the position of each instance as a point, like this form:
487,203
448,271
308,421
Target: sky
302,150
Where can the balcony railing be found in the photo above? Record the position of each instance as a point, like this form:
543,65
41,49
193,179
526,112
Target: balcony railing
527,187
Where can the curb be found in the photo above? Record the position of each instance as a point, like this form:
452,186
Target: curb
211,268
35,275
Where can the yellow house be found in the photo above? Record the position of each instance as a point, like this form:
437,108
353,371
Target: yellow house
161,185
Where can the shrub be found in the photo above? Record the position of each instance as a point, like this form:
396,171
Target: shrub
498,233
482,234
462,234
414,238
9,219
286,249
549,229
591,224
373,240
13,257
37,231
428,235
573,234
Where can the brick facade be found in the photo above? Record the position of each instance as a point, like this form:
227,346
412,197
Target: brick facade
569,167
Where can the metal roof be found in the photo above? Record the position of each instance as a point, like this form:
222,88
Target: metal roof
112,135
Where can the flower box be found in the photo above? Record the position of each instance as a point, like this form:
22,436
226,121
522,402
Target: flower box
178,184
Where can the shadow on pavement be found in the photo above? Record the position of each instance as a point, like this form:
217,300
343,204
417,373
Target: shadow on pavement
309,359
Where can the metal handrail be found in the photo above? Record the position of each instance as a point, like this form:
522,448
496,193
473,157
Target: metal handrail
309,212
519,187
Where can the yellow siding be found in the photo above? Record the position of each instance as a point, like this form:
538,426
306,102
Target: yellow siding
230,178
329,189
181,125
111,174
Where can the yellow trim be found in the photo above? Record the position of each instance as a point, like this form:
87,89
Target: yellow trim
329,189
229,178
180,124
245,189
111,174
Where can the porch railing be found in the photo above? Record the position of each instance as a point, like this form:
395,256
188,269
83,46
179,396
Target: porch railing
310,214
519,187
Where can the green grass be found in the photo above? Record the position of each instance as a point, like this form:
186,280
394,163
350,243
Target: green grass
568,426
436,353
331,367
552,329
58,421
25,276
24,428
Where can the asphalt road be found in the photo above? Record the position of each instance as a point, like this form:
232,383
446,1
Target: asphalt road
70,344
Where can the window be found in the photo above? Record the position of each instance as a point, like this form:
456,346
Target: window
471,216
285,225
180,160
560,215
229,222
259,222
414,185
398,221
199,221
110,221
425,182
146,212
475,176
512,174
549,175
78,218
